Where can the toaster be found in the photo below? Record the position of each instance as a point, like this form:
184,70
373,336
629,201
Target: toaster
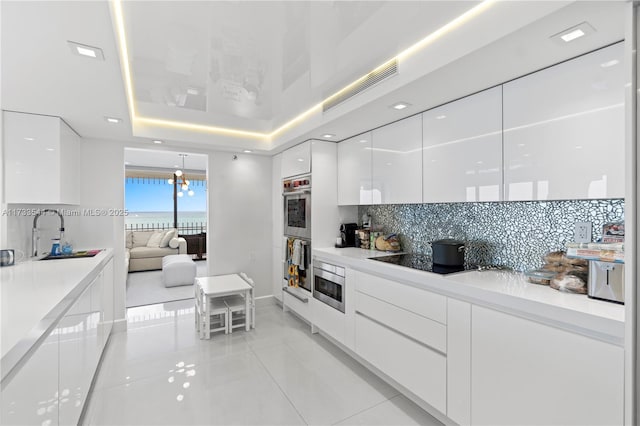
606,281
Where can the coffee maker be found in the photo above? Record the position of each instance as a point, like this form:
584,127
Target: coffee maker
348,234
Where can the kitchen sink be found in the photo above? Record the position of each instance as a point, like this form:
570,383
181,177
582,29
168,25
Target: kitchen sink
74,255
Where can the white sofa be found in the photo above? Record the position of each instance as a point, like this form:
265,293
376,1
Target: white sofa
145,249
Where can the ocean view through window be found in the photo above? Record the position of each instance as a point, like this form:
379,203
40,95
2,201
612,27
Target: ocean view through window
149,203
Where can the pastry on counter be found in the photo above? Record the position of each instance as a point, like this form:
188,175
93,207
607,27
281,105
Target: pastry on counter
389,242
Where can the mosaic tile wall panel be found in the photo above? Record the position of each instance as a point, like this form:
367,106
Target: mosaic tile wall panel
512,234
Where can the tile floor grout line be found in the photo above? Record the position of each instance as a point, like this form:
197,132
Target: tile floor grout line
278,385
366,409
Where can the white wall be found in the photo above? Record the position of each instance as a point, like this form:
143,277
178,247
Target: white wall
277,234
102,187
240,218
3,206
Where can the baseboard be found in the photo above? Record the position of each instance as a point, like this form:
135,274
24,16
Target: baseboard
264,301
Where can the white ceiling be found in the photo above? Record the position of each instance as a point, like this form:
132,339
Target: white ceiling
255,65
164,159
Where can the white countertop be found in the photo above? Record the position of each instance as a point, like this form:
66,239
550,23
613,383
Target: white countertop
34,293
505,290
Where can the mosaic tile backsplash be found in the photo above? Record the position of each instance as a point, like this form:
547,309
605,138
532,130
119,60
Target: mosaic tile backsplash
512,234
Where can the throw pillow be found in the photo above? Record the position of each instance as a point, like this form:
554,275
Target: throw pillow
174,242
155,239
129,239
167,237
141,238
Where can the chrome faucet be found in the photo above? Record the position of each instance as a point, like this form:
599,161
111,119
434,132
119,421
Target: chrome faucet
35,236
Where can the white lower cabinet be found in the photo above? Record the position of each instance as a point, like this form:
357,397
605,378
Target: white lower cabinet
480,366
459,361
31,396
329,320
51,387
81,341
420,369
523,372
299,301
402,331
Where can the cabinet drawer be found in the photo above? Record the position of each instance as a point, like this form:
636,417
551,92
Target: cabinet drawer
424,330
421,302
298,306
412,365
328,319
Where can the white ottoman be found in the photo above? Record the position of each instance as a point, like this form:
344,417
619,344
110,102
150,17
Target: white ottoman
178,269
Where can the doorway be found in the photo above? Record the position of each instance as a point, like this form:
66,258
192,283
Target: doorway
166,204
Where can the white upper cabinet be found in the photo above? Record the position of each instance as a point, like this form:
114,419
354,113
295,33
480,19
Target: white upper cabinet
564,130
354,171
296,160
462,149
397,162
42,160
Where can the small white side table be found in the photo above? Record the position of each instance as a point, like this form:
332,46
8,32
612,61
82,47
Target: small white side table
224,285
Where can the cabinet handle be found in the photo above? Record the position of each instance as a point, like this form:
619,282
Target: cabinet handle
300,298
406,336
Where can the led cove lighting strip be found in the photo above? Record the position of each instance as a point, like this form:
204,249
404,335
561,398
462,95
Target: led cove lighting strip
124,59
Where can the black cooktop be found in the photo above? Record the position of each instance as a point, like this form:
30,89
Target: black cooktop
422,262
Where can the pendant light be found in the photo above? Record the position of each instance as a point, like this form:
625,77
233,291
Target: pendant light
181,180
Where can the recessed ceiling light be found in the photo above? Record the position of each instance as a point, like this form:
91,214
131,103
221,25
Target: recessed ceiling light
441,117
300,159
328,135
86,51
157,141
363,141
573,33
400,105
113,120
247,151
610,63
192,91
50,149
29,139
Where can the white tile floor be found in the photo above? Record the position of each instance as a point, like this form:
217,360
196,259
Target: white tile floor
161,373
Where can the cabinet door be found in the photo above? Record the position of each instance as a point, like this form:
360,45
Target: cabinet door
526,372
31,396
459,361
354,171
564,130
79,353
397,162
462,149
296,160
32,150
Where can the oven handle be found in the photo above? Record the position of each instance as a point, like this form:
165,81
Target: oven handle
328,276
300,192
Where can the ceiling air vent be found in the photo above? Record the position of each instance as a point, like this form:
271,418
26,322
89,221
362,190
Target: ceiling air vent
374,77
